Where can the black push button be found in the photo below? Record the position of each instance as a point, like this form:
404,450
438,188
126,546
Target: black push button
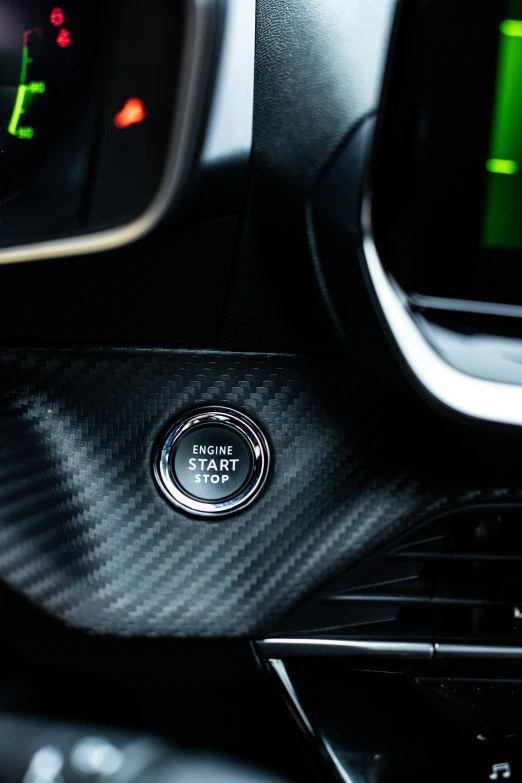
212,462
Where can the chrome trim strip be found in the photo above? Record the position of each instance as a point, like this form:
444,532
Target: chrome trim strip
233,420
292,648
286,648
343,774
231,121
421,302
447,651
481,399
279,669
194,77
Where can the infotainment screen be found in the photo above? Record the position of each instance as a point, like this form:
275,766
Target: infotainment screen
447,186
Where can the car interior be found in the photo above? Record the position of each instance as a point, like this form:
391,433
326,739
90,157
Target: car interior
260,391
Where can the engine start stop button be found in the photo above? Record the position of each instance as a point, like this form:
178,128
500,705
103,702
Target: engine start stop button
212,462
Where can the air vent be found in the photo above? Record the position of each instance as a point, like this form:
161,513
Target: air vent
457,578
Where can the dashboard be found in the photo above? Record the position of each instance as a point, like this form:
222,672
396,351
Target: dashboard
260,364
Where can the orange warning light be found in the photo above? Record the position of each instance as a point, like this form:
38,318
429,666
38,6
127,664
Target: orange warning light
132,113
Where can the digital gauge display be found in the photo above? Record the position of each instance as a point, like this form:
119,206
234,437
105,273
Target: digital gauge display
502,225
39,45
87,96
447,197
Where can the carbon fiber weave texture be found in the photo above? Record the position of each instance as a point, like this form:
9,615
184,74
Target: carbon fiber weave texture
86,535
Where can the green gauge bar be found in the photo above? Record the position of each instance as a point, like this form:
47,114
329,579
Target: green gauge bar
33,88
511,27
17,111
497,166
503,216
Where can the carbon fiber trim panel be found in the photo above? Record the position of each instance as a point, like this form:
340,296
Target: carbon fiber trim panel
86,534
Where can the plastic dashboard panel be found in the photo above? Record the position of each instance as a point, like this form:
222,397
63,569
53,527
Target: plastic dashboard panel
86,535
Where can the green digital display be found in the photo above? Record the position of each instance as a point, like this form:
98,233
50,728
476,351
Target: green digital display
503,214
25,90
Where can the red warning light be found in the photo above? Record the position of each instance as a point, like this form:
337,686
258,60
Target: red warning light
64,38
57,17
132,113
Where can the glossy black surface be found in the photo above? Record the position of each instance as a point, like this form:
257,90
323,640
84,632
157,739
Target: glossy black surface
429,172
128,163
211,463
383,726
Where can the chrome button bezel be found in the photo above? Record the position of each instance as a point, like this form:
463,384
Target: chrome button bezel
236,422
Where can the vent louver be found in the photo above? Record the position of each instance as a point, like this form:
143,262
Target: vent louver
457,578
